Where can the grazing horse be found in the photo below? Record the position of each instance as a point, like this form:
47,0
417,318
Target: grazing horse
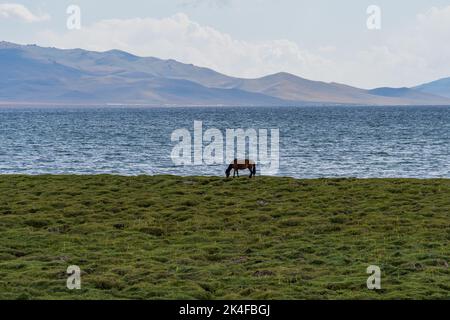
241,165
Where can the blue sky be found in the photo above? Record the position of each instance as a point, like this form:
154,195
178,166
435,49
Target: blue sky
320,40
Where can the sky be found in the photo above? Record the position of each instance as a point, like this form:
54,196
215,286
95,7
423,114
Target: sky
324,40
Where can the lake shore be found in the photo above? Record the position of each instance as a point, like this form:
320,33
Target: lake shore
170,237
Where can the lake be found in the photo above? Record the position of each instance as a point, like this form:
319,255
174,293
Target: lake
315,142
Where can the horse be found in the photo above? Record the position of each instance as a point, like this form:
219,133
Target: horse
241,165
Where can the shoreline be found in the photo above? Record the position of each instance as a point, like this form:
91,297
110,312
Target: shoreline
24,105
242,177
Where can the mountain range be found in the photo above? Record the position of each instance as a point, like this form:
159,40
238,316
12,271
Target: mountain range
30,74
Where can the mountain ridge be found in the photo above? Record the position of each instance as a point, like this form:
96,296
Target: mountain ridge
439,87
31,73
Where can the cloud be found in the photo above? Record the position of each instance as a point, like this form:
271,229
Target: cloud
405,57
431,39
178,37
414,54
20,12
210,3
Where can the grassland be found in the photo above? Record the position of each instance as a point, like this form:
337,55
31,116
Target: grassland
169,237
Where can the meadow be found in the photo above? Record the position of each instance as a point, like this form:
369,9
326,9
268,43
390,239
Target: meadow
169,237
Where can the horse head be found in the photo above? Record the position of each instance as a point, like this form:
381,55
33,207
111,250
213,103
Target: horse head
228,171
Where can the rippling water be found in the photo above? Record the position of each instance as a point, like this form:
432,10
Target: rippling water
314,141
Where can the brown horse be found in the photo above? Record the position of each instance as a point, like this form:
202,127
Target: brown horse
241,165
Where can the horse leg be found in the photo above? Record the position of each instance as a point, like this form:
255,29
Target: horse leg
251,172
234,173
237,173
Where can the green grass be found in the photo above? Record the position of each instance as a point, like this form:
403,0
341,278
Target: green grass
169,237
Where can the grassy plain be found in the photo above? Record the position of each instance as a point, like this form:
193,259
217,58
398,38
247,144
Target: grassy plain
167,237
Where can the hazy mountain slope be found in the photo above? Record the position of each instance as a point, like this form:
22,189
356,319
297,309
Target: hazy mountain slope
120,62
287,86
409,95
290,87
36,74
33,79
439,87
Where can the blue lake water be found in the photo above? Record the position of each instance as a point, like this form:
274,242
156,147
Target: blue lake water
314,141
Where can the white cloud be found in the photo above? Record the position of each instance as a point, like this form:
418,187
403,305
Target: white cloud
20,12
404,58
180,38
416,54
211,3
431,39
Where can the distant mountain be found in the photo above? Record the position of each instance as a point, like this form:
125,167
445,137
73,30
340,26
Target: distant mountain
33,74
408,94
439,87
287,86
